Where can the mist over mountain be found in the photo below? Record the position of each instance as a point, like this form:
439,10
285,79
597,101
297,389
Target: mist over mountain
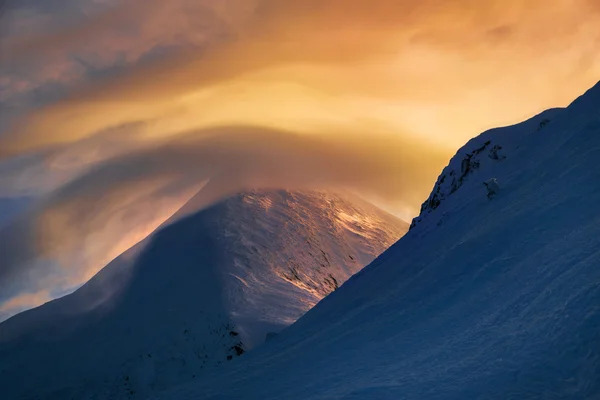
201,291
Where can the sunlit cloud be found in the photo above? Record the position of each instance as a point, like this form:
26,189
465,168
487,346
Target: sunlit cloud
117,111
118,198
23,302
439,69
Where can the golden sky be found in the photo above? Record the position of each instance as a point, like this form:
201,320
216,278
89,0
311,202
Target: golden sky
123,105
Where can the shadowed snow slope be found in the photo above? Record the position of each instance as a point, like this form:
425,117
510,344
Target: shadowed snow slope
483,299
194,295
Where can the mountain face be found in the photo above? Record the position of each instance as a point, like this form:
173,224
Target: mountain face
194,295
491,294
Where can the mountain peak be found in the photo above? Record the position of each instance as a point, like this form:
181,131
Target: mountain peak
194,295
589,100
482,158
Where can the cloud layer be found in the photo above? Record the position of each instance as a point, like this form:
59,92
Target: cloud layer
113,197
409,56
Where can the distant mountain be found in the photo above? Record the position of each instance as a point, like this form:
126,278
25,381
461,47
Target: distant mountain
197,293
493,294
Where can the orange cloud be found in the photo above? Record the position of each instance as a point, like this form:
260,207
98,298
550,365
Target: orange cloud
23,302
438,68
130,25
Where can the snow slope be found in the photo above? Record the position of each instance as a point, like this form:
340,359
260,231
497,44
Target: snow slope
196,294
484,298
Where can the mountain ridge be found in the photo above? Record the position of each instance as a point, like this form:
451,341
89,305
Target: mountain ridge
196,294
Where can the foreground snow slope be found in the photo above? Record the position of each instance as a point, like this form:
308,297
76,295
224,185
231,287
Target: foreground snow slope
196,294
483,299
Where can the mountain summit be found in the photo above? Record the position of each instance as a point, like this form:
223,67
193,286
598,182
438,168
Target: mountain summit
196,294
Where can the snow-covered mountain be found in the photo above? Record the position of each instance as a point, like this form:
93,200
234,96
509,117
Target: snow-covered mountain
488,296
196,294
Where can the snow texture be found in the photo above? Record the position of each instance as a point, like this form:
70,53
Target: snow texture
195,295
480,300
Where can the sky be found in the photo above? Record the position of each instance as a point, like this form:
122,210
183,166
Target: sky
113,113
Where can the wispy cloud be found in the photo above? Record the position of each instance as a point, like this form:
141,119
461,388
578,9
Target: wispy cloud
23,302
114,197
